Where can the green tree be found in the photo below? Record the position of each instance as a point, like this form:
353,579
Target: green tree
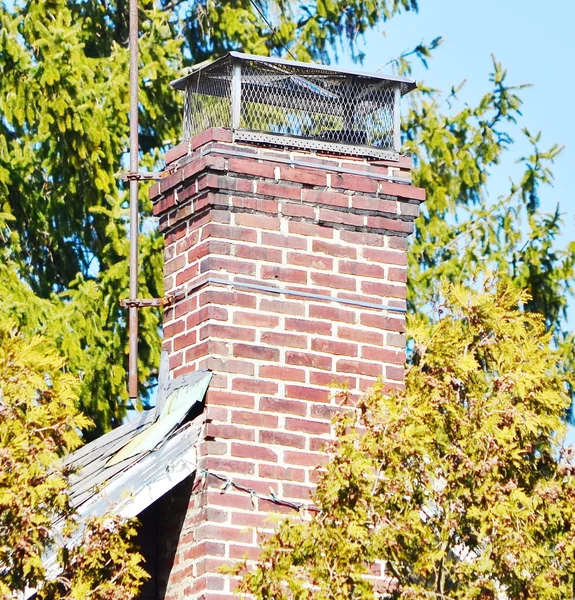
456,147
459,484
63,135
64,132
39,423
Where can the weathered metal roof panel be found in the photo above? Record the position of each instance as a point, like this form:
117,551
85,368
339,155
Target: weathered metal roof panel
159,458
120,452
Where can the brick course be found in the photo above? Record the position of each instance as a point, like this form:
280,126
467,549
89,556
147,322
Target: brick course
237,231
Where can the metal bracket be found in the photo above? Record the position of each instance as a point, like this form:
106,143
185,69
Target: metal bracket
147,302
140,176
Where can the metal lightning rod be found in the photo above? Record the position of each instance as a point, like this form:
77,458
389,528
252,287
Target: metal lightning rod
133,304
134,209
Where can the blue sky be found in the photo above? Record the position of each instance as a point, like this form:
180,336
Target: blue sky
533,40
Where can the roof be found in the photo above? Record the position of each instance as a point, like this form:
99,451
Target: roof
407,84
127,469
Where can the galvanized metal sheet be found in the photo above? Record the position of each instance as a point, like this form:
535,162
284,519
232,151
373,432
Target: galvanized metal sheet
176,407
109,457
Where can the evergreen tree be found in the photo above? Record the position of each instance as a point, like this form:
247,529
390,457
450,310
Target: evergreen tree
39,424
459,485
460,229
64,133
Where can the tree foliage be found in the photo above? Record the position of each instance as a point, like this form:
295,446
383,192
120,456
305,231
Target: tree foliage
456,148
62,136
63,139
458,484
64,133
39,423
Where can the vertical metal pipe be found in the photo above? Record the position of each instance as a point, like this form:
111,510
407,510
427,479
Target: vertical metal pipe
134,212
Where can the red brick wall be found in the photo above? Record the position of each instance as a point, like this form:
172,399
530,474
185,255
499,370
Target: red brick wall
267,220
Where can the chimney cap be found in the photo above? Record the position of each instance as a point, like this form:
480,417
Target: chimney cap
407,84
291,104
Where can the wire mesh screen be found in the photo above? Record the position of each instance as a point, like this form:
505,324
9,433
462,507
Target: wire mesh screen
295,106
208,100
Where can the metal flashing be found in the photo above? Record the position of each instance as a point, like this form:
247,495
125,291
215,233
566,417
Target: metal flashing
245,135
262,287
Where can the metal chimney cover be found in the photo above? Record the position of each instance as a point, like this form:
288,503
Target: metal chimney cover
293,104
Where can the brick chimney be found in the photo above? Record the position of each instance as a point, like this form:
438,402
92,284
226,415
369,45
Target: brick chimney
288,273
